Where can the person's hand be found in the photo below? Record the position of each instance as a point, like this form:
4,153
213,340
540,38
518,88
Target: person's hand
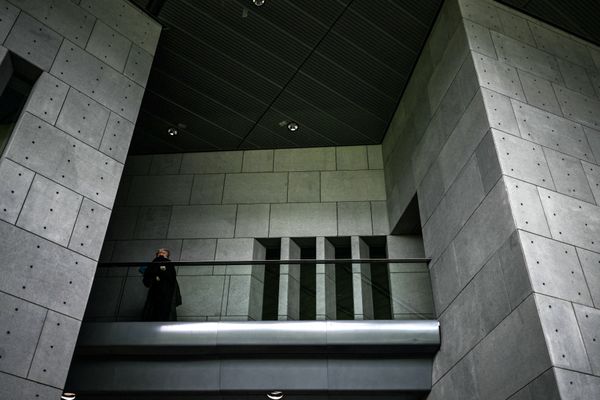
157,279
163,268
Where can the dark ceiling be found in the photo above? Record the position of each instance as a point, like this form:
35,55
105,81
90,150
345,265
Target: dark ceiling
230,75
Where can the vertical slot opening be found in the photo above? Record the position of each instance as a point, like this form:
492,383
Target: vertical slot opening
271,282
343,279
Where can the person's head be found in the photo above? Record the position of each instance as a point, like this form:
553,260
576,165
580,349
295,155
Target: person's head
162,252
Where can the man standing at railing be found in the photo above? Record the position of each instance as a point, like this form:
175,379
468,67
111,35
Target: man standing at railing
163,295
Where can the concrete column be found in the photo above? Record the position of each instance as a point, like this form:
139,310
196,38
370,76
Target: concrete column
326,304
502,151
289,282
60,172
362,290
244,284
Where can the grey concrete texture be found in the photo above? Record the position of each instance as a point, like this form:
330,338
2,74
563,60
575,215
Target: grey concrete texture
60,188
538,95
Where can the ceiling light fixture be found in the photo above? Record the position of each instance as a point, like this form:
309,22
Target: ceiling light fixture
275,395
172,131
258,3
293,126
67,396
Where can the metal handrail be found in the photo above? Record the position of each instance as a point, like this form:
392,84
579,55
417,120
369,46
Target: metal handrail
272,262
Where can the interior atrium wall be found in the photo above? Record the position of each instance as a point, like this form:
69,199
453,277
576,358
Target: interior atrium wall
213,206
60,173
497,134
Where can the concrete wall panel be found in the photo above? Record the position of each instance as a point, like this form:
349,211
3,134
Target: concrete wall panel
50,210
539,92
568,176
48,151
83,118
552,131
99,81
561,45
207,189
524,354
590,263
152,222
573,385
209,163
563,338
354,218
554,269
258,161
138,65
576,78
572,221
58,338
16,181
8,16
303,219
588,320
304,187
526,58
109,46
127,20
33,41
165,164
21,324
463,141
45,273
13,388
117,136
156,190
202,222
485,303
202,296
526,206
455,208
352,185
380,218
375,157
62,16
252,220
578,107
47,98
255,188
351,158
516,27
498,76
316,159
482,13
89,230
499,111
480,39
522,159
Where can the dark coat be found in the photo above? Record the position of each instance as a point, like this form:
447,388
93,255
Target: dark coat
163,296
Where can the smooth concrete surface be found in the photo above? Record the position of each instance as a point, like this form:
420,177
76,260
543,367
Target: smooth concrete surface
507,189
60,172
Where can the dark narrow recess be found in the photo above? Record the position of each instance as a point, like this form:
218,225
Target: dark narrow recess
380,282
410,221
17,78
343,282
308,285
271,287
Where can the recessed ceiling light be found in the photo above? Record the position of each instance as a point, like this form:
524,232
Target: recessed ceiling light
172,131
275,395
67,396
293,126
258,3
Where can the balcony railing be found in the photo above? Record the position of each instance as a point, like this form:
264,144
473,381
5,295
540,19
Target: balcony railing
293,289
